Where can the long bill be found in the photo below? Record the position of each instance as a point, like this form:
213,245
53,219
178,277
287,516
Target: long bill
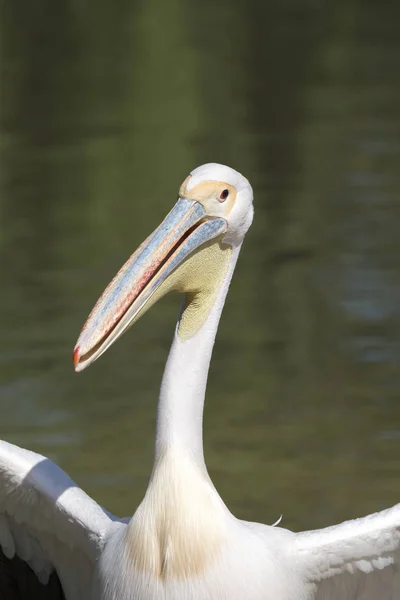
185,229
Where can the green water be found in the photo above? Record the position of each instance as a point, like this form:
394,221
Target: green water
104,109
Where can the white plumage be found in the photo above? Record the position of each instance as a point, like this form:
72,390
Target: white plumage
182,542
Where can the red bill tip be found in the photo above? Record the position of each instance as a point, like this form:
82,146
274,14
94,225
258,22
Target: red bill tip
76,356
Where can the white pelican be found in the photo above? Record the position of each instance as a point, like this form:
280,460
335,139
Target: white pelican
182,543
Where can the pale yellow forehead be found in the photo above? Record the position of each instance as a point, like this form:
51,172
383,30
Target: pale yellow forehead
209,189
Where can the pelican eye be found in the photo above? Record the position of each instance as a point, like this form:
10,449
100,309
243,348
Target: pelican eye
223,195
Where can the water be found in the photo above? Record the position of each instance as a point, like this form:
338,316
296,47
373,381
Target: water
104,110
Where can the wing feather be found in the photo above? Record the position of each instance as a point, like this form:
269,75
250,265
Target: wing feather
48,522
356,560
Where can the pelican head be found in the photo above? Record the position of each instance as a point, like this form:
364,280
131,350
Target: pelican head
189,252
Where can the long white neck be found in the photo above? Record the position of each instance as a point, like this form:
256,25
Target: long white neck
183,387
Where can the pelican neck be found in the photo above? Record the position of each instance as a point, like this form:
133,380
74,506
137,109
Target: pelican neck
183,386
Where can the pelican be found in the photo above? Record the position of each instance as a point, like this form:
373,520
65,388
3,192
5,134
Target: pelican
182,543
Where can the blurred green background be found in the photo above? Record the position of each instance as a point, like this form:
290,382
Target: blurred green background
105,108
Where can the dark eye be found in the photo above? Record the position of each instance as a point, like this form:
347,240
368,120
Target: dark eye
223,195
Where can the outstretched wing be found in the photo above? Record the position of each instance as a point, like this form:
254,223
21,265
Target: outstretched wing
49,528
357,560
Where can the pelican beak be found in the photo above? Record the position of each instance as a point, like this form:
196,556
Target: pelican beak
186,228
